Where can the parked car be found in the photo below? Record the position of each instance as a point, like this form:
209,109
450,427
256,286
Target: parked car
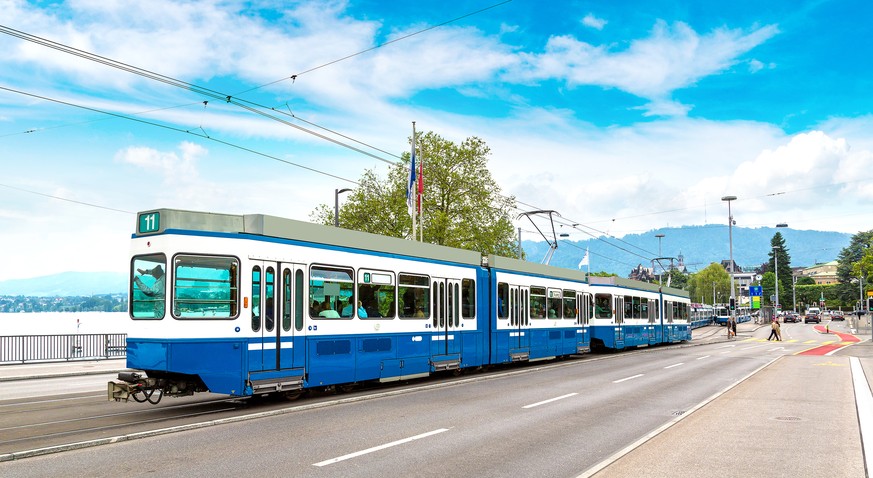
837,316
791,317
810,318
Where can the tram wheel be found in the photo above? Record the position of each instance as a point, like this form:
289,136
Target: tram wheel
292,395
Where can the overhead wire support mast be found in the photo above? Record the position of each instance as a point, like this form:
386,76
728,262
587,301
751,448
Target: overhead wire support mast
553,244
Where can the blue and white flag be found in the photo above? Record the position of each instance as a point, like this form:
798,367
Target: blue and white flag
410,187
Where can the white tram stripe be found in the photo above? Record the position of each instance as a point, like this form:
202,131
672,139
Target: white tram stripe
674,365
380,447
628,378
550,400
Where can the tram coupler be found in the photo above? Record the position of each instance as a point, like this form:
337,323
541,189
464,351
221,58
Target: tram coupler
131,383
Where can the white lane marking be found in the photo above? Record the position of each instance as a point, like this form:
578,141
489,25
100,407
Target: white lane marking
380,447
674,365
628,378
705,356
549,400
728,345
864,404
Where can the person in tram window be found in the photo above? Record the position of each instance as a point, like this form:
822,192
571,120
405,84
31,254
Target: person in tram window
362,312
349,309
328,312
157,289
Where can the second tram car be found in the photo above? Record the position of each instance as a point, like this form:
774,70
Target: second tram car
253,304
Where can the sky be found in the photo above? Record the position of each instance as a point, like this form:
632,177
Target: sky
623,117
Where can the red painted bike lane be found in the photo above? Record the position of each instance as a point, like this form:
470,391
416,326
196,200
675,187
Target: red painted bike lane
845,339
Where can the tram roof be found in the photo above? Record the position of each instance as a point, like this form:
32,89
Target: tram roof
634,284
517,265
273,226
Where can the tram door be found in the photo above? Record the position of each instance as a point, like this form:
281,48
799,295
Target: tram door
276,309
519,319
446,297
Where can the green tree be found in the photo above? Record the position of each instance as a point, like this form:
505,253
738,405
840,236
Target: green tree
461,206
713,278
859,246
780,252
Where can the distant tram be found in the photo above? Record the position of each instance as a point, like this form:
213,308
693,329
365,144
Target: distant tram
254,304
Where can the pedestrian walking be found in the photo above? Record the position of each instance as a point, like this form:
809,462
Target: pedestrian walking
774,330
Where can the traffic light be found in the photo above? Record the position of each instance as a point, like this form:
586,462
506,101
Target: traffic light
870,304
734,304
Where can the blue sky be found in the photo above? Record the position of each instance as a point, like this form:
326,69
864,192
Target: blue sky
621,116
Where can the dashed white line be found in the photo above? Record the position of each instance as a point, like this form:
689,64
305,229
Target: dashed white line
628,378
549,400
380,447
674,365
705,356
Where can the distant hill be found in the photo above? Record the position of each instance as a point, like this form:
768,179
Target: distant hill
67,284
699,245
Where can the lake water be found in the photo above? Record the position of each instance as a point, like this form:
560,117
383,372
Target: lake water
62,323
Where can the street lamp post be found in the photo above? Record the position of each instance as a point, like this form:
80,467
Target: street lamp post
794,291
732,303
336,193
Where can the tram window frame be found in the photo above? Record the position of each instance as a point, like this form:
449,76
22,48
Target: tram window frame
468,298
330,283
381,294
554,304
538,302
644,308
143,304
599,310
256,297
571,309
417,288
217,290
502,300
629,307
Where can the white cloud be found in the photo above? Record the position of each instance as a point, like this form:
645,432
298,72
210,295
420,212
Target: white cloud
672,57
591,21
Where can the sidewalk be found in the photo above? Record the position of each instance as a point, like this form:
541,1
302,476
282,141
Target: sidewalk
801,415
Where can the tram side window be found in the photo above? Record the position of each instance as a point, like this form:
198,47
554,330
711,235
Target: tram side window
502,300
555,307
148,286
537,302
628,307
468,298
603,306
376,295
205,287
329,289
570,308
644,308
413,293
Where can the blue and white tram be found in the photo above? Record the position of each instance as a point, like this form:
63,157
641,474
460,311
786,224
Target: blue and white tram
722,314
253,304
541,312
631,314
701,315
258,304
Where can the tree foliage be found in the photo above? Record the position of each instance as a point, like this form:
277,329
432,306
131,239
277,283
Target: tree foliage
712,279
851,265
780,252
461,207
